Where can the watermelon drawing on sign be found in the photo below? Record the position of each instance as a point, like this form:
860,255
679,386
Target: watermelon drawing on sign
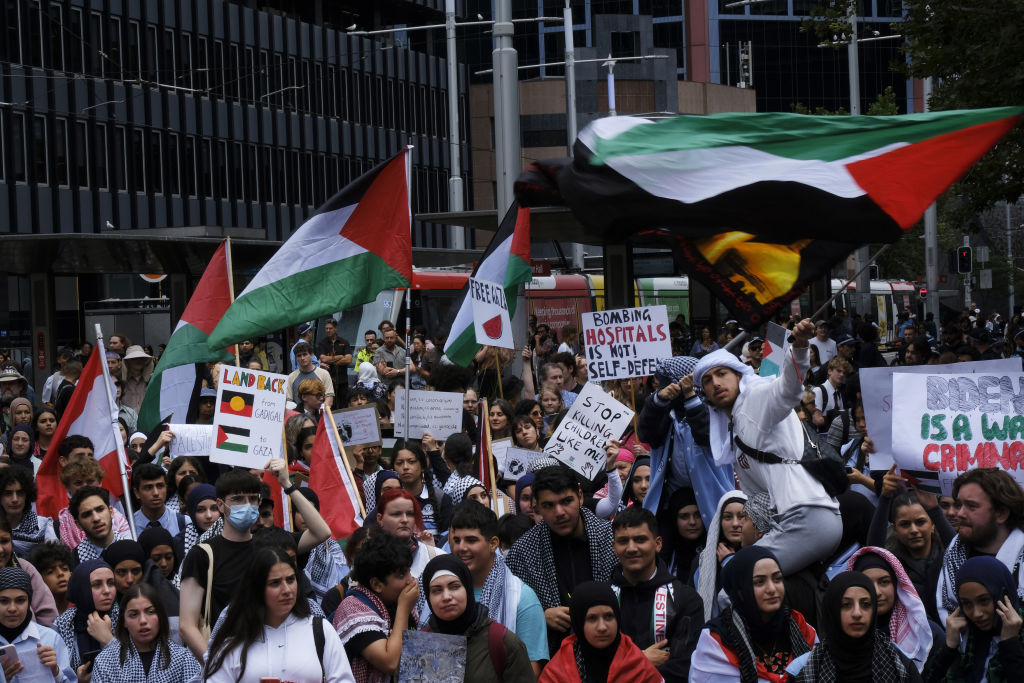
492,328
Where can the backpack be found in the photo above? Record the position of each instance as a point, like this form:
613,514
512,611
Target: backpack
320,641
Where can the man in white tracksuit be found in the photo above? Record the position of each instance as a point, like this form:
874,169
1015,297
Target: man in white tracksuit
758,411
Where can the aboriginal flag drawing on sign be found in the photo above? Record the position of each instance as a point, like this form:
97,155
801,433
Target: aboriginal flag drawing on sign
236,403
234,439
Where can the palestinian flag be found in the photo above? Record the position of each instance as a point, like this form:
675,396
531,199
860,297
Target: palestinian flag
755,206
236,403
234,439
356,245
774,350
92,414
926,480
175,384
782,177
333,482
507,262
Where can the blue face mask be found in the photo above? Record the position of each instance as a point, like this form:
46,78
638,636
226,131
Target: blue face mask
243,516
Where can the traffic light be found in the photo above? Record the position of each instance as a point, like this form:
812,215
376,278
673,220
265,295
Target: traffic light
924,293
963,259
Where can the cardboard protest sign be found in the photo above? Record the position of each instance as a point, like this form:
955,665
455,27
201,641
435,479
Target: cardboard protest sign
190,440
429,657
627,342
249,417
594,419
490,314
358,426
515,462
956,422
876,393
498,448
437,412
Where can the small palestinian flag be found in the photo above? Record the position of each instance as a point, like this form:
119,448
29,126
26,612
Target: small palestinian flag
236,403
926,480
234,439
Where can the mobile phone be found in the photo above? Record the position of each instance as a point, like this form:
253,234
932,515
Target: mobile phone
8,655
89,655
391,363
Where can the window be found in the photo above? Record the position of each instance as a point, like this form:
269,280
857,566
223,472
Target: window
203,72
237,190
263,79
330,92
265,173
251,187
250,75
173,185
99,159
188,167
306,179
293,178
205,169
53,28
155,163
19,155
624,43
234,76
152,66
119,158
138,161
217,84
60,152
74,43
133,54
34,41
114,65
278,188
168,63
185,62
13,33
220,170
40,151
318,88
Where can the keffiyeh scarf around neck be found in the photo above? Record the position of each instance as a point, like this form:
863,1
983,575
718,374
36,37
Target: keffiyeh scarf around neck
29,530
956,555
492,595
886,666
735,634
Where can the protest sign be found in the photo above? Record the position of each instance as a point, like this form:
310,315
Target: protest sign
249,417
437,412
358,426
951,423
627,342
490,314
498,448
515,462
429,657
594,419
190,440
876,394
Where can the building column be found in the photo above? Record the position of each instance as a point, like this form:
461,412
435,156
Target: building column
43,321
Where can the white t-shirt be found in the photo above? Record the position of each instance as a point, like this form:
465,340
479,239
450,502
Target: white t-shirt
826,349
288,652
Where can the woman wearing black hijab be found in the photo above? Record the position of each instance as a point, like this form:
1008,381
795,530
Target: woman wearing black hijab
455,612
92,590
758,636
597,652
682,534
853,650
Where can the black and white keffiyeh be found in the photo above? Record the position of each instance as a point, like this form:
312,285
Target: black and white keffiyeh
87,550
30,530
956,555
886,666
492,595
532,558
457,487
65,626
108,667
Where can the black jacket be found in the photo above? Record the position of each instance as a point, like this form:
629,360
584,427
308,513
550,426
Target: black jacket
684,617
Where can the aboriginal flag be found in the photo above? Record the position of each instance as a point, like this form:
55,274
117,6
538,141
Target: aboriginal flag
236,403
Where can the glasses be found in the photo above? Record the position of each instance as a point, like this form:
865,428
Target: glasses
242,499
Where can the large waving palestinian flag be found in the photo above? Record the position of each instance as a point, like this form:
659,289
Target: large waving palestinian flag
506,262
356,245
175,384
758,205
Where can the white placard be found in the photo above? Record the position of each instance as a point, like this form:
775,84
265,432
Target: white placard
626,342
249,417
437,412
190,440
498,448
490,314
515,462
358,426
594,419
951,423
876,393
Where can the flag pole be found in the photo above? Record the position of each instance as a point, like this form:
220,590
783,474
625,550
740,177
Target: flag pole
108,383
490,465
231,293
497,366
344,459
286,503
408,355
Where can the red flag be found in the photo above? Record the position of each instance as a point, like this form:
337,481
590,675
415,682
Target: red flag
90,413
282,507
337,490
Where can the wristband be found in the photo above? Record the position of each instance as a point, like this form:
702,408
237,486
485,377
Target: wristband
290,490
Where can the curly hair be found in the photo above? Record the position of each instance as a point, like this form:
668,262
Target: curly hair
1001,488
11,475
380,556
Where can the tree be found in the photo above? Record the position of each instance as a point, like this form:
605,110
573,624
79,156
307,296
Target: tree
974,53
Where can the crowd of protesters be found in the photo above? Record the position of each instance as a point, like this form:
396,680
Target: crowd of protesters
706,550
